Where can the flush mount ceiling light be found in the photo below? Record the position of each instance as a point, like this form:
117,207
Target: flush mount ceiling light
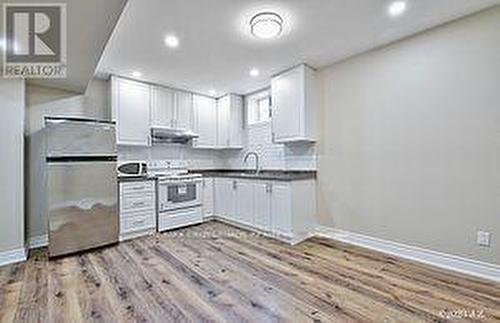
396,8
172,41
266,25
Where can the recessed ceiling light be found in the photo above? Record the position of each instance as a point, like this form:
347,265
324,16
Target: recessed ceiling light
396,8
172,41
266,25
254,72
212,92
136,74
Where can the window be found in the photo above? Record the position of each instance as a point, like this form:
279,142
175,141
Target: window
258,107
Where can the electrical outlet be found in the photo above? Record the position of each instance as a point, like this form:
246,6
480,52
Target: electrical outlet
483,238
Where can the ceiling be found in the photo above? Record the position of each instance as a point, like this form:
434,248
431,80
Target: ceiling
217,52
89,26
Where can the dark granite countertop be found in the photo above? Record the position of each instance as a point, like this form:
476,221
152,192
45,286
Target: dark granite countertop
270,175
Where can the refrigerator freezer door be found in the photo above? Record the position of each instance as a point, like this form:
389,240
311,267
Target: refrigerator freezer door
79,138
82,206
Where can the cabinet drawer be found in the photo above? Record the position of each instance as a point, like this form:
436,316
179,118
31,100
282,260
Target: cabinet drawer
132,203
137,187
137,222
139,213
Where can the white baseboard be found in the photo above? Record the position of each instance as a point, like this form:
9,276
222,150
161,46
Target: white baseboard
38,241
12,256
426,256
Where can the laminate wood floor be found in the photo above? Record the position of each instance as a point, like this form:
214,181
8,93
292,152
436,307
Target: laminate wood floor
214,272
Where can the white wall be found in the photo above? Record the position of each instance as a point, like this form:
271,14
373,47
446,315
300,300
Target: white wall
410,150
11,165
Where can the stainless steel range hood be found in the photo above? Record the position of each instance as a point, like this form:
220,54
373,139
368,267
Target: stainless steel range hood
167,135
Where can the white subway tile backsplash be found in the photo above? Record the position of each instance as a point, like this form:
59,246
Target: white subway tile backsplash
257,137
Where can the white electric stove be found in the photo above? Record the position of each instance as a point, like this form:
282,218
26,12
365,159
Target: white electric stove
179,194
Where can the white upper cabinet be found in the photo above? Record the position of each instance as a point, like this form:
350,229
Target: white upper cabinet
205,120
162,107
294,98
230,122
130,102
183,110
171,109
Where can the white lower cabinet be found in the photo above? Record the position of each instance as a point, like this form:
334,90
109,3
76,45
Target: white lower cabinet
281,209
225,198
262,206
245,202
286,210
208,197
137,209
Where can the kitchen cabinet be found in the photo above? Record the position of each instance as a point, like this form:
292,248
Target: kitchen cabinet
137,209
225,198
230,122
130,102
183,110
285,210
245,202
281,209
162,107
205,119
262,206
295,105
208,197
171,109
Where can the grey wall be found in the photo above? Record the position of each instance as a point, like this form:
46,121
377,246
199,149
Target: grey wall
11,164
410,150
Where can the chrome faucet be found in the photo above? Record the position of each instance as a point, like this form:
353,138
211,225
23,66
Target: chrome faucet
250,153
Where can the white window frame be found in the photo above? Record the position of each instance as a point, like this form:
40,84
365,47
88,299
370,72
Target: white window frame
253,108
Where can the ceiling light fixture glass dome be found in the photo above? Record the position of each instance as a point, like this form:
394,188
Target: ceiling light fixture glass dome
266,25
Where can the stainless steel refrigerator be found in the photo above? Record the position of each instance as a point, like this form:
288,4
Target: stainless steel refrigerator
81,184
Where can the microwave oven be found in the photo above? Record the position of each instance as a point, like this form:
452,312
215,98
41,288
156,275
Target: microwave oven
132,168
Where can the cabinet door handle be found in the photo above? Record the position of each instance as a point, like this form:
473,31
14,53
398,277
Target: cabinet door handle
270,188
136,188
139,222
235,185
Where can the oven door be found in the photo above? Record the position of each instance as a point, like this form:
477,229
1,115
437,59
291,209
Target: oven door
178,195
